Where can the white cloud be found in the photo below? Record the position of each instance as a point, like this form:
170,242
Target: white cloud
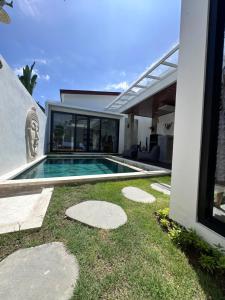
117,86
18,71
123,73
29,7
42,61
45,77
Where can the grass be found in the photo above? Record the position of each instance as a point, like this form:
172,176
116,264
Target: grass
136,261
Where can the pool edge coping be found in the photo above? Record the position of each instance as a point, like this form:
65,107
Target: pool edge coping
49,182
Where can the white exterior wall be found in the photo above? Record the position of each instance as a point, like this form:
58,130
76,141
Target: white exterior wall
15,101
188,118
165,119
98,102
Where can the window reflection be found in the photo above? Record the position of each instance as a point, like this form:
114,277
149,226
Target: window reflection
63,127
219,190
109,135
71,132
94,138
81,133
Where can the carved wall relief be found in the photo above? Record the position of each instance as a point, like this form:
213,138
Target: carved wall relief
32,134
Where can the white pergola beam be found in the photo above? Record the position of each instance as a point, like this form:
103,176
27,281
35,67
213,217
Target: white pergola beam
169,64
153,77
140,86
131,93
147,74
124,99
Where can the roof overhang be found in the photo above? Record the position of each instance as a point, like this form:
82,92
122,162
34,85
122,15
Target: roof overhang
87,92
80,110
156,78
160,103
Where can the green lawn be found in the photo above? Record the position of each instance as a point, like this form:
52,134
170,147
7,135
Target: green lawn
136,261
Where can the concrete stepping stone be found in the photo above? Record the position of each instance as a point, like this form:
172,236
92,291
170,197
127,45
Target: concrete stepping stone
137,195
100,214
46,272
162,187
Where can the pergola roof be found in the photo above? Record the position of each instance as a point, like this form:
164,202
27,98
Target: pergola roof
156,73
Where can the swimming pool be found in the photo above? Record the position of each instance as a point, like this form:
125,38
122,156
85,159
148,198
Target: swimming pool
63,167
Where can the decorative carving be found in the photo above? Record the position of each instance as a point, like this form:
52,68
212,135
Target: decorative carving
32,134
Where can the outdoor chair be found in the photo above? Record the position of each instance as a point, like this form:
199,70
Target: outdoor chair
132,152
153,155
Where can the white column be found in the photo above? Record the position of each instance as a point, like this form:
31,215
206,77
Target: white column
188,117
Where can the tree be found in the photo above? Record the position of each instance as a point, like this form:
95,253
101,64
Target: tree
28,79
4,17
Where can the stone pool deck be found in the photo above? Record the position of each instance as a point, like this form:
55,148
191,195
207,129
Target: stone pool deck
24,211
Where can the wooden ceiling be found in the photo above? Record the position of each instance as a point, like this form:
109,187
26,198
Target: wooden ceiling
150,106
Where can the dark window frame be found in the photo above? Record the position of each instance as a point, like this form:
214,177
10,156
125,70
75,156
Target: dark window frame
211,116
74,116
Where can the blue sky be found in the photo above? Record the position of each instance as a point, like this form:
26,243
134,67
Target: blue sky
88,44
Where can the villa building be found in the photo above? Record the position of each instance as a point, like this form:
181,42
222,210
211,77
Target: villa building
182,98
174,109
80,123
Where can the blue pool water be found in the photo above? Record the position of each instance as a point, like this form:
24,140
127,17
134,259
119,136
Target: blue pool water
60,167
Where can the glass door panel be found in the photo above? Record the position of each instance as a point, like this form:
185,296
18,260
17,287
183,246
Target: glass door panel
62,132
109,135
81,134
94,134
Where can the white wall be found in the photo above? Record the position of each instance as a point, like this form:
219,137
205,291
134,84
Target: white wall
98,102
165,119
188,118
15,101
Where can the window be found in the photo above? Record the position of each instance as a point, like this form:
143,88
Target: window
62,132
109,135
79,133
211,210
95,134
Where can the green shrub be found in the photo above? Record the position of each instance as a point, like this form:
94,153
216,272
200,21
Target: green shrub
221,263
175,234
208,263
163,213
211,259
165,223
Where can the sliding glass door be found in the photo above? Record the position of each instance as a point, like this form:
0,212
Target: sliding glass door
109,134
62,138
79,133
95,135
